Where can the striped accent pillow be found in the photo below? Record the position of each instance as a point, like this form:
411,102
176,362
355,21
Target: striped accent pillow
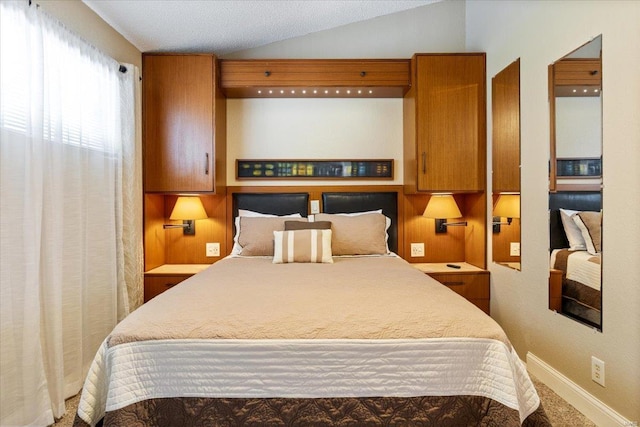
302,246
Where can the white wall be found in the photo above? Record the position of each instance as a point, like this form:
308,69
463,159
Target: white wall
314,129
339,128
540,33
78,17
578,127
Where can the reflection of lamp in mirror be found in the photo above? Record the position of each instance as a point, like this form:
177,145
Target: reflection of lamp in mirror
507,206
441,207
188,209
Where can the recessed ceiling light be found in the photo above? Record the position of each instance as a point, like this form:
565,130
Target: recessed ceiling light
270,91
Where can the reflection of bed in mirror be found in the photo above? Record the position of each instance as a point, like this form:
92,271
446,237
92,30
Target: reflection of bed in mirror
575,282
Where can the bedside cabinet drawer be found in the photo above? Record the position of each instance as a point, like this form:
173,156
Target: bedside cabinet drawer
473,286
155,285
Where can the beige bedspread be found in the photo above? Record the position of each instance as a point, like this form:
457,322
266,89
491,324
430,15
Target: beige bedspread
357,298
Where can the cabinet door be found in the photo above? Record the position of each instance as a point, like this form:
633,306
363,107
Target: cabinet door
451,136
178,102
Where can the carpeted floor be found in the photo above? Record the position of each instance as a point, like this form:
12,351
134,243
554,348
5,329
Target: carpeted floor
560,412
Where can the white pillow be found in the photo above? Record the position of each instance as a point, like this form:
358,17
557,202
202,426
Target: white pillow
243,212
574,235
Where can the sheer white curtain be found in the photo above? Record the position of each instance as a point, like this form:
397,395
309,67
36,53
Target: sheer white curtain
68,173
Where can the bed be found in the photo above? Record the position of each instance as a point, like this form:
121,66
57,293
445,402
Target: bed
576,251
351,339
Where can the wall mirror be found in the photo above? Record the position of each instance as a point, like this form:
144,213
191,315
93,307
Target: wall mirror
575,184
505,93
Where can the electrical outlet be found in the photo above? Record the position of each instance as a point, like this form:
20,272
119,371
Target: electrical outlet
597,370
213,249
417,249
315,206
514,249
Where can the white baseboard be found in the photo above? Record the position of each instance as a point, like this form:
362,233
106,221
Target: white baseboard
594,409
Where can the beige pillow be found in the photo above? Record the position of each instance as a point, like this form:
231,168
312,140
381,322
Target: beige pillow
302,246
357,235
590,225
256,234
298,225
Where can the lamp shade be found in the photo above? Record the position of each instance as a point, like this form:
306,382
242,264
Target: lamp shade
442,206
188,207
507,206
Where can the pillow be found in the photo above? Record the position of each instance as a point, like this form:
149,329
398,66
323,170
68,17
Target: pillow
387,222
299,225
243,212
364,234
256,234
590,225
302,246
574,235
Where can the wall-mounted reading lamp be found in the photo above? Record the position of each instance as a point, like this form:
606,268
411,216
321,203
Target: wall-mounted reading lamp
188,209
507,206
440,207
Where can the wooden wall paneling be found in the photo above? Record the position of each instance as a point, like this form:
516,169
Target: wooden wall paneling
181,249
154,234
502,240
506,129
475,245
220,133
446,247
409,137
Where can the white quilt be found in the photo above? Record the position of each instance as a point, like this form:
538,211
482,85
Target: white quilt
133,372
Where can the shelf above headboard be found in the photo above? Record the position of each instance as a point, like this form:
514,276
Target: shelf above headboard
315,78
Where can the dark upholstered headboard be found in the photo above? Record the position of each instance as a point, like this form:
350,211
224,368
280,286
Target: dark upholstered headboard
360,202
272,203
574,200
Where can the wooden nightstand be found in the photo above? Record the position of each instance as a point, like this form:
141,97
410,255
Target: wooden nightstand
160,279
469,281
555,290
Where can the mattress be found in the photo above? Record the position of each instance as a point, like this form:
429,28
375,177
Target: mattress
248,330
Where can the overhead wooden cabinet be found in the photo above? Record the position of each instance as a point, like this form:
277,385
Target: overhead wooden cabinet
184,119
444,124
578,71
322,78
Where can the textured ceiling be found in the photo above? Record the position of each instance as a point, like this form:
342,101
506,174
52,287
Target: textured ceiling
223,26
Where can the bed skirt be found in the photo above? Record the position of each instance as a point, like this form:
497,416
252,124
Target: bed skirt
440,411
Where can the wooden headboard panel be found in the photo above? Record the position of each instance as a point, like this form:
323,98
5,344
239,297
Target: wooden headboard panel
574,200
349,202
